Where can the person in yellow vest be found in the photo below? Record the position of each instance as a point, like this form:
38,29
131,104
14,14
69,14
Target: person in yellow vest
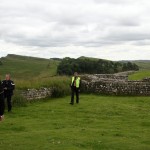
75,88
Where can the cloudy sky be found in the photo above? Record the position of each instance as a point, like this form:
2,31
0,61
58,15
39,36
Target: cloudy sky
109,29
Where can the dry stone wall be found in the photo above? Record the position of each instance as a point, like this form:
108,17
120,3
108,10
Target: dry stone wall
111,84
115,85
42,93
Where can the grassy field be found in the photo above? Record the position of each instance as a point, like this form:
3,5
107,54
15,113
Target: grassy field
143,72
31,72
140,75
22,67
97,123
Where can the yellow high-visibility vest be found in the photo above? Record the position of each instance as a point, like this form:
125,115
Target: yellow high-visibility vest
77,81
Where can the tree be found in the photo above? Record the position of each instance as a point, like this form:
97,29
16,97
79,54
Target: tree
86,65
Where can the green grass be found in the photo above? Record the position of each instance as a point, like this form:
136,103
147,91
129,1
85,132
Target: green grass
22,67
144,71
140,75
32,72
43,82
97,123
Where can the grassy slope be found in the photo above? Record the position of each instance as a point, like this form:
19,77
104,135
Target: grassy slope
143,65
144,71
97,123
140,75
30,72
21,67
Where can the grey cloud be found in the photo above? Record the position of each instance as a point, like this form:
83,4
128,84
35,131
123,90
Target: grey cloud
87,23
121,2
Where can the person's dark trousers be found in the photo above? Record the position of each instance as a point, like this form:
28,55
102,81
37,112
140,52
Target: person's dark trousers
2,106
74,91
9,104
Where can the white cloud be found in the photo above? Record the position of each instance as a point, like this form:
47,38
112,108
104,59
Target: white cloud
111,29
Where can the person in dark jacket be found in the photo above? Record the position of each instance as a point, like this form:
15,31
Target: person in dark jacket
9,86
1,101
75,88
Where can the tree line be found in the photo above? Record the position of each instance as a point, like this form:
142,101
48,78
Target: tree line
68,66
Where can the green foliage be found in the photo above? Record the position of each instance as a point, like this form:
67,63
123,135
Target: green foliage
37,83
97,123
60,90
19,100
93,66
129,66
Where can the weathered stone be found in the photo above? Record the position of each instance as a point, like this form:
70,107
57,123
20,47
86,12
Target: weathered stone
31,94
115,85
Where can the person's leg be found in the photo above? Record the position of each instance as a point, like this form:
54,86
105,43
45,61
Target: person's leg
77,95
9,103
72,96
1,107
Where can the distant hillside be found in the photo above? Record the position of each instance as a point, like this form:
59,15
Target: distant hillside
58,59
24,67
143,65
20,57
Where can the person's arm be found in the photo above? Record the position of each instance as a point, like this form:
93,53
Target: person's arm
80,85
11,86
3,84
1,87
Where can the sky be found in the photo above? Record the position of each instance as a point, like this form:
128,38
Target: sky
107,29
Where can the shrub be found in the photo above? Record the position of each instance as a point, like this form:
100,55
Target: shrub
60,91
18,99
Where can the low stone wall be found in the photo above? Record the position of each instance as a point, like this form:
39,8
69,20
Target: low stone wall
42,93
111,84
115,85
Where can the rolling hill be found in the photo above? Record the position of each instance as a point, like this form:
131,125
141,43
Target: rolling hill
23,67
143,65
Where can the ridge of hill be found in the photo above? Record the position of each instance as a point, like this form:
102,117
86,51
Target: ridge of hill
14,56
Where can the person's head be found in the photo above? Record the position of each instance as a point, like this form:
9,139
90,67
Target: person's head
7,76
75,74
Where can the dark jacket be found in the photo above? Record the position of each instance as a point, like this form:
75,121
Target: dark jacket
9,84
1,89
